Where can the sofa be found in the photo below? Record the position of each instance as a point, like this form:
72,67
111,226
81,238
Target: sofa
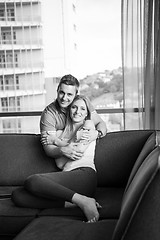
128,189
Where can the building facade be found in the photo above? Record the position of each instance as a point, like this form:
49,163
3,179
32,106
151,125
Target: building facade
21,61
59,37
37,45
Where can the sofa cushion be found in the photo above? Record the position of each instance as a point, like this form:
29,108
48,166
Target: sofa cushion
47,228
22,156
136,190
150,144
109,198
14,219
116,154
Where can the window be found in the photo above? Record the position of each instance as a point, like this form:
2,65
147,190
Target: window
17,82
7,12
7,37
10,12
2,12
9,83
2,60
10,104
4,104
99,54
1,83
83,40
11,125
8,59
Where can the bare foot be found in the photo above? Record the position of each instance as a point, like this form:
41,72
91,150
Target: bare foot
88,205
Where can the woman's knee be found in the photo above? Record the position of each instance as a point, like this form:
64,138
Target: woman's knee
32,182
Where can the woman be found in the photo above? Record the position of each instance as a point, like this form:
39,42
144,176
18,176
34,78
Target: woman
76,182
62,139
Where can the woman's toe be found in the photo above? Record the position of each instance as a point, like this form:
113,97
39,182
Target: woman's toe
98,205
93,220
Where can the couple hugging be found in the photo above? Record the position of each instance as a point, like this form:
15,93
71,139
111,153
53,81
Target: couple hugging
69,129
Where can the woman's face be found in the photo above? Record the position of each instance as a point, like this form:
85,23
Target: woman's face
78,111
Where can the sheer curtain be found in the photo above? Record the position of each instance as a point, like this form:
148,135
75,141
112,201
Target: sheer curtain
141,63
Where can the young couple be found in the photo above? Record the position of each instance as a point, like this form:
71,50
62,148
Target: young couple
69,129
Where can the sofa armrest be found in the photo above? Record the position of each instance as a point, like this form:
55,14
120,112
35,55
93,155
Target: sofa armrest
148,147
141,201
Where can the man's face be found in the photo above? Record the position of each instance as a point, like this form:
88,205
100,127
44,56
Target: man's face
65,95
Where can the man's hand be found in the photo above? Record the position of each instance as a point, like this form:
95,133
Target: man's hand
47,138
71,151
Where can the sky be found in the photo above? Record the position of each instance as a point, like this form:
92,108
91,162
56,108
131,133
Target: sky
99,35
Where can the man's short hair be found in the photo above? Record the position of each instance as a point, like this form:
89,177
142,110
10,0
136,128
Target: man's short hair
69,80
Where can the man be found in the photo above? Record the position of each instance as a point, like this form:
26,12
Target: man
54,116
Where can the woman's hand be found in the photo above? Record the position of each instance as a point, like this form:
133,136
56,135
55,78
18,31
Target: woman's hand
89,135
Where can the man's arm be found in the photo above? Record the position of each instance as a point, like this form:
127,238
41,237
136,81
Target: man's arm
48,123
51,138
68,151
56,148
100,128
99,123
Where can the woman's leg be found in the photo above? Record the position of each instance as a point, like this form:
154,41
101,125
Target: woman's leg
63,185
23,198
88,205
77,186
42,190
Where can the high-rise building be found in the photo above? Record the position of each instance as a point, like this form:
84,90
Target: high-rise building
59,37
21,61
37,45
60,42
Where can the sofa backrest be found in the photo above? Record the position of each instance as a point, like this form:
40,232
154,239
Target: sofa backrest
135,199
20,156
116,155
